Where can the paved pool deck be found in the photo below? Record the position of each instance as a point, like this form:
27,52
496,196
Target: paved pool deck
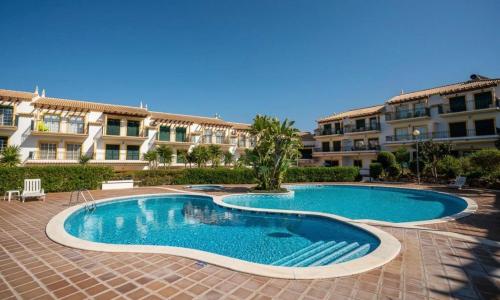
430,265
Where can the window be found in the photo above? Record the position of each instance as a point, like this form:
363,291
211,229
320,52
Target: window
219,137
52,122
419,109
327,129
76,125
422,130
6,116
457,104
306,153
253,141
337,145
112,152
48,151
373,124
180,134
402,111
331,163
3,142
325,146
164,134
338,129
113,127
242,142
485,127
73,151
358,163
458,129
483,100
207,136
373,144
359,144
132,152
133,128
360,124
401,133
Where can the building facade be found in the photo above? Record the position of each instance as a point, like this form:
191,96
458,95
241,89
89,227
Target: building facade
59,131
466,114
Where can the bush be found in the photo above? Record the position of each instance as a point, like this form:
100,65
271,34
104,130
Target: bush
413,166
238,175
376,170
386,159
55,178
402,156
450,166
394,171
322,174
486,160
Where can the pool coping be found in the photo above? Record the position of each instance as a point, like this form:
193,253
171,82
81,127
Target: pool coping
387,250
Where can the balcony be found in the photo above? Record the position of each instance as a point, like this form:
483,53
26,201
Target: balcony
407,114
78,131
446,135
178,141
348,149
325,132
468,106
7,123
372,127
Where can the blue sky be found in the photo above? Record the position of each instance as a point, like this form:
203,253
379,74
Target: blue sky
296,59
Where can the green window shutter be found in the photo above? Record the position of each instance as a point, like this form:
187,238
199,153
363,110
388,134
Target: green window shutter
113,127
483,100
133,128
132,152
164,133
180,134
112,152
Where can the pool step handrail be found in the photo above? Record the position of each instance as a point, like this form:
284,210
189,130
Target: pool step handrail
320,255
308,254
297,253
89,203
329,259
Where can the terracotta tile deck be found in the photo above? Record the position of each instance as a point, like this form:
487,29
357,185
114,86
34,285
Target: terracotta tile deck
430,266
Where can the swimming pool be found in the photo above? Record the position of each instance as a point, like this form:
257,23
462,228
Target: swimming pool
196,222
359,202
205,187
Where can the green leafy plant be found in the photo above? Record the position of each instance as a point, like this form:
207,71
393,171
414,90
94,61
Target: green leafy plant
10,156
152,158
402,157
386,159
431,153
84,159
228,158
376,170
200,155
42,127
394,171
165,154
215,155
449,166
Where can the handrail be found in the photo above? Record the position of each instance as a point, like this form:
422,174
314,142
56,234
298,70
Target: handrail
89,203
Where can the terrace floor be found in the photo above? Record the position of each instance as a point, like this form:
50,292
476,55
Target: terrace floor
430,265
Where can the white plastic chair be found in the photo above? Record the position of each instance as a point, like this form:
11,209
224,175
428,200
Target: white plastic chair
458,183
32,189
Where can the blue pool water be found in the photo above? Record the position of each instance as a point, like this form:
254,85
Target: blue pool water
196,222
206,187
360,202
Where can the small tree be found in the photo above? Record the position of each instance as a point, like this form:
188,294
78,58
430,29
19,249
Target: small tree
386,159
84,159
152,158
182,155
228,158
200,155
486,160
402,157
376,170
215,155
165,154
449,166
431,153
10,156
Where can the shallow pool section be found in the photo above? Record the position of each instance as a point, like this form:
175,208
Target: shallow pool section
195,222
205,187
359,202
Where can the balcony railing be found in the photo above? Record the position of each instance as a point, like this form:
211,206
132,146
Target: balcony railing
407,114
350,148
372,127
40,126
469,105
443,135
320,131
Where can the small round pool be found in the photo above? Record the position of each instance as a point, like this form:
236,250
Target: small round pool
360,202
205,187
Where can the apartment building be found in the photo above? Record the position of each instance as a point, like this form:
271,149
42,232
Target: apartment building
466,114
58,131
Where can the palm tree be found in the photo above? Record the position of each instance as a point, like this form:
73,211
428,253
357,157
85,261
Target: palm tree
152,158
200,155
182,155
214,155
10,156
165,154
228,158
277,146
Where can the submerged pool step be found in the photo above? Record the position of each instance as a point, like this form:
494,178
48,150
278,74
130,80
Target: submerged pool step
307,254
307,261
360,251
328,259
297,253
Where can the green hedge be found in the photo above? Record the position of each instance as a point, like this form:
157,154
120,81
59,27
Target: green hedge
55,178
237,176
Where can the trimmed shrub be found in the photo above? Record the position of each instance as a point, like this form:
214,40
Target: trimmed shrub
450,166
486,160
322,174
376,170
394,171
413,166
55,178
386,158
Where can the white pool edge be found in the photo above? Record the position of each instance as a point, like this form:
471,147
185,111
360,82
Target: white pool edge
387,250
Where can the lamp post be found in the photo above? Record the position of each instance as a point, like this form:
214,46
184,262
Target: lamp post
416,134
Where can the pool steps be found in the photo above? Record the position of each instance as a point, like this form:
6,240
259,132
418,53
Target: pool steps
323,253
